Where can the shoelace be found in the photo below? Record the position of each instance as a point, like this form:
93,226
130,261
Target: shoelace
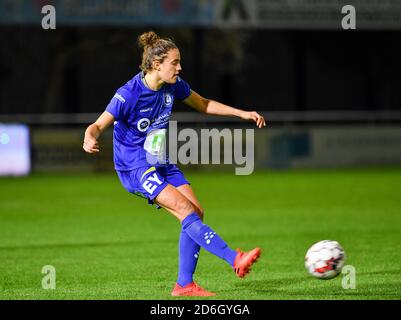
198,288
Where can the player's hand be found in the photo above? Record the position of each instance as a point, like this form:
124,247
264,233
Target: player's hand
91,145
254,116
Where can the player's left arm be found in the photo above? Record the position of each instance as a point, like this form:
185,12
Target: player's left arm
208,106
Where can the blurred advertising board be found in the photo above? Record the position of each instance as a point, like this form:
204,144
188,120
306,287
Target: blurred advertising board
15,159
294,14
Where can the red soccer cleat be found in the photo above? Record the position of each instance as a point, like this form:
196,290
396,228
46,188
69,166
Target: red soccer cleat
191,289
244,260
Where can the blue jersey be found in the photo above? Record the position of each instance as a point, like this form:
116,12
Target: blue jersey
142,116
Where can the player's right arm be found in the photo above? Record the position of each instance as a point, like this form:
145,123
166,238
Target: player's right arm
94,131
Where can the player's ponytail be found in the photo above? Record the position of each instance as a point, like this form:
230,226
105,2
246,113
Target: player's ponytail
154,48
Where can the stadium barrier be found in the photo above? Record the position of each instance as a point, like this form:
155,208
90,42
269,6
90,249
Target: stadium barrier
290,140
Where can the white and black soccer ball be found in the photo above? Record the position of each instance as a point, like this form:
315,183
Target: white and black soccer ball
325,259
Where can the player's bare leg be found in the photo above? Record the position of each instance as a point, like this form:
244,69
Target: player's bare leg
175,202
188,192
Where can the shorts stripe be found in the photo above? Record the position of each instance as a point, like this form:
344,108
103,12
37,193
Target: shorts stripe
151,169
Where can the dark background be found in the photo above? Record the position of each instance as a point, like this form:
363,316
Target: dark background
78,69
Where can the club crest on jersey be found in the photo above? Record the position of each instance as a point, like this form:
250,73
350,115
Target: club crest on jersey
143,124
168,99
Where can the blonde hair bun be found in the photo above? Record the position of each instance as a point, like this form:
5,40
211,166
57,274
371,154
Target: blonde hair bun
148,39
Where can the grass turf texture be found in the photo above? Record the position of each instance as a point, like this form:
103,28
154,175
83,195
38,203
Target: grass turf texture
108,244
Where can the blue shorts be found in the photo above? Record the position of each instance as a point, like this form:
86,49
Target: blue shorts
148,182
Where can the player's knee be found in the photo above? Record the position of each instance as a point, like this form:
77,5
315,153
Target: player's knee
184,207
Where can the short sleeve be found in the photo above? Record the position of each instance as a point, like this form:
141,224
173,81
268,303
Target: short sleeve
182,89
117,106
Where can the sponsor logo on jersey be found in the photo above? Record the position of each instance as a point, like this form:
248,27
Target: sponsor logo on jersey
143,124
119,97
146,110
151,183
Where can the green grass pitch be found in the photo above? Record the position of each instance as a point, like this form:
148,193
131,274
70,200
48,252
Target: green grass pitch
108,244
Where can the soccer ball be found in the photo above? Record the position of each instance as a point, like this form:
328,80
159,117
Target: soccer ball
325,259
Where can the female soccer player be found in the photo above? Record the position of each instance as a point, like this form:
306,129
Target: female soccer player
140,111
